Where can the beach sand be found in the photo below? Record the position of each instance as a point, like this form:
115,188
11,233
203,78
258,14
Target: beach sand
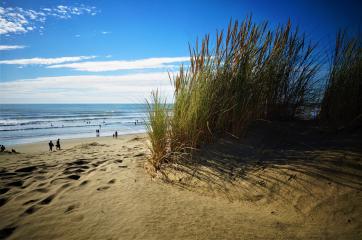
273,185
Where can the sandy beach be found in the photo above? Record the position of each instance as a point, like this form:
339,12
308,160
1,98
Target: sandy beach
267,186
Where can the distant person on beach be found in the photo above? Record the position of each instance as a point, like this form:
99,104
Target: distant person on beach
116,134
2,148
97,132
58,144
113,135
51,144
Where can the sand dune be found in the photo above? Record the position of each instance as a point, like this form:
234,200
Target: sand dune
269,186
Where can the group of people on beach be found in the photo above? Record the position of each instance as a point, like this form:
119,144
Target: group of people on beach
2,149
51,145
115,135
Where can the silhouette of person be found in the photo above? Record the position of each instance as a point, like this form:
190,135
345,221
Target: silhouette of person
58,144
2,148
51,144
116,134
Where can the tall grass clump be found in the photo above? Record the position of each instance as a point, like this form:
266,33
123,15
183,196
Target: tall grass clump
342,102
157,125
250,72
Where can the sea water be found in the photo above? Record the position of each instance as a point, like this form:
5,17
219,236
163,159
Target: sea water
27,123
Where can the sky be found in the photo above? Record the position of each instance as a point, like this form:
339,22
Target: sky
118,51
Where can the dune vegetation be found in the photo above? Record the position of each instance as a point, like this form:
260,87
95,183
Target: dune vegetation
342,102
251,72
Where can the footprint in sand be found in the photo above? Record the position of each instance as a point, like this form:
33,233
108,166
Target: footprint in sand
18,183
112,181
48,200
85,182
71,208
30,201
3,201
73,177
42,184
26,169
103,188
4,190
31,210
79,162
6,232
139,155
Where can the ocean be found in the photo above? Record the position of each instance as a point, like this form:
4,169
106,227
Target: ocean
27,123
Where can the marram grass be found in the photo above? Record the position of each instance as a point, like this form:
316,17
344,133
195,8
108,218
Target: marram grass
250,72
342,102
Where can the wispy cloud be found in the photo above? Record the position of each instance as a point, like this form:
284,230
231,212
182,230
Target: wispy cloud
91,88
103,66
20,20
10,47
45,61
105,32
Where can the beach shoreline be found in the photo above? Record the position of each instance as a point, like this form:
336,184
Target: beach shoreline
29,123
41,146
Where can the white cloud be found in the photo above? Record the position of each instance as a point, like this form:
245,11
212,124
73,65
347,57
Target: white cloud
45,61
19,20
102,66
10,47
105,32
86,89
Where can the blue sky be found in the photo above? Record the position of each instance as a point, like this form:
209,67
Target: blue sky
118,51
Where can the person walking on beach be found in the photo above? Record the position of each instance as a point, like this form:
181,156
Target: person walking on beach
116,134
58,144
51,144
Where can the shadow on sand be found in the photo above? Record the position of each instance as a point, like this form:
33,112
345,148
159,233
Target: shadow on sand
272,160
